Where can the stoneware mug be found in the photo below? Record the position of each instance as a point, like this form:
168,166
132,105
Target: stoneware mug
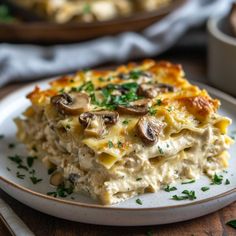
221,55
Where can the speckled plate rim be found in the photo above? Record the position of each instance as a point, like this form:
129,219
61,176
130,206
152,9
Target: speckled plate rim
215,92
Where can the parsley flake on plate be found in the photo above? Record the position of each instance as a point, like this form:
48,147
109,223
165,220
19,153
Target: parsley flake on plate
35,180
169,189
188,195
204,189
189,182
217,179
138,201
30,161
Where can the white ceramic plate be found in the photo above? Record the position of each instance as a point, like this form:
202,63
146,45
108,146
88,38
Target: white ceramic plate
157,208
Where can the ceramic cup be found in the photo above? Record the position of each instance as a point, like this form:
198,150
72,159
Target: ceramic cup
221,55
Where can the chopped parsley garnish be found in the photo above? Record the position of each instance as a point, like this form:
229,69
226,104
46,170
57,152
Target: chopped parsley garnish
101,79
227,182
61,191
170,109
189,182
135,74
190,195
35,180
232,223
159,102
110,144
15,159
30,161
87,87
20,166
169,189
167,145
32,172
138,201
138,179
120,144
19,175
51,170
61,90
11,145
152,111
204,189
125,122
160,150
217,179
2,136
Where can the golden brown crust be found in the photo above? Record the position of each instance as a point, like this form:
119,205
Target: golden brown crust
197,102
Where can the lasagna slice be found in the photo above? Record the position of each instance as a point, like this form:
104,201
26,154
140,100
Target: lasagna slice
116,134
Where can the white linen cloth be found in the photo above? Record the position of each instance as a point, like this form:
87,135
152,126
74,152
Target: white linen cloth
27,62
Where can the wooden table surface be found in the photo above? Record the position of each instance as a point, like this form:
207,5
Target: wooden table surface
45,225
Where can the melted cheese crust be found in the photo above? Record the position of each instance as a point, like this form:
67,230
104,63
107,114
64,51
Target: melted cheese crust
193,142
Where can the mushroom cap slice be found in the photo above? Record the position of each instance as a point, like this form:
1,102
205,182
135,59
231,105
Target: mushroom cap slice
152,90
56,178
95,121
72,103
138,107
149,129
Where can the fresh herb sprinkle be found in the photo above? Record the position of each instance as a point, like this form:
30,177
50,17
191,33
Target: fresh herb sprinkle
159,102
232,223
125,122
152,111
217,179
227,182
160,150
11,145
204,189
188,195
138,201
17,159
19,175
30,161
169,189
138,179
110,144
61,191
35,180
189,182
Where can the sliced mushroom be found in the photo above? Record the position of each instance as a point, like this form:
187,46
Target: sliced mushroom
71,104
139,107
152,90
149,129
95,122
56,178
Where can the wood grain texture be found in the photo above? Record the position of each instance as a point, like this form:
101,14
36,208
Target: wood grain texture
210,225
